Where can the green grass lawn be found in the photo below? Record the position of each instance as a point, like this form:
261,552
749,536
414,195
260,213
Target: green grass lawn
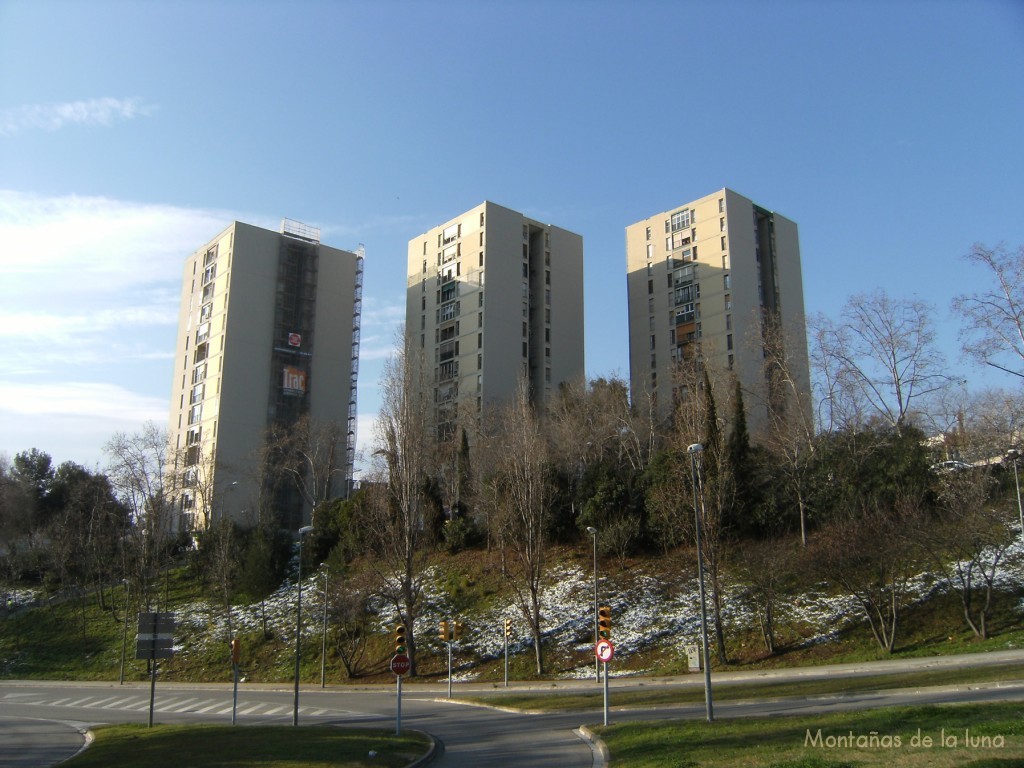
976,735
652,695
185,746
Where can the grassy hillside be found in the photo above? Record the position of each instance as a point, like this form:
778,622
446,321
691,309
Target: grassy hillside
653,599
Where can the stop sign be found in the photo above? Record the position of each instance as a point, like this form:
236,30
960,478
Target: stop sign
400,664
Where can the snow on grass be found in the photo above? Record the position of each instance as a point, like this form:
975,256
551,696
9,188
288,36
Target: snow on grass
647,611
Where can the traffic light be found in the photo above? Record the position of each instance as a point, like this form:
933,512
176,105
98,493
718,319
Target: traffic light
508,628
459,629
444,632
236,650
604,622
400,642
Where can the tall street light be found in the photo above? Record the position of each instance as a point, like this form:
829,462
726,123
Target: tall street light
698,509
597,663
1014,455
323,643
298,628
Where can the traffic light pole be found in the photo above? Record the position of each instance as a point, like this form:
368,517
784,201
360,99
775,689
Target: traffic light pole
398,713
506,659
449,669
234,693
606,693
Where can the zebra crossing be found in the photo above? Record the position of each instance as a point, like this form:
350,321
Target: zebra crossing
198,705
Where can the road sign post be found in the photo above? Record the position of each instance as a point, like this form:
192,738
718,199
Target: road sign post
605,652
508,633
236,655
400,664
155,640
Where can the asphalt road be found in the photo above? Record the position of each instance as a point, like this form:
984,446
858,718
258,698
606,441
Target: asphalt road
42,723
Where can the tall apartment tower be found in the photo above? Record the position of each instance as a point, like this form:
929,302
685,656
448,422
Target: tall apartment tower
494,296
268,333
706,282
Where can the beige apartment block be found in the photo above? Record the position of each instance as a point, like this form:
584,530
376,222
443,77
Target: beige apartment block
493,297
706,281
268,332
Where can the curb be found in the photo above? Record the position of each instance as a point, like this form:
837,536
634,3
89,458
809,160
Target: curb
431,753
598,747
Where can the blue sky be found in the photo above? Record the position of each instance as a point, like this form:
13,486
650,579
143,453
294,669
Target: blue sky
132,132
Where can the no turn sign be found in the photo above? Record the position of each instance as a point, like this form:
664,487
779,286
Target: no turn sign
605,651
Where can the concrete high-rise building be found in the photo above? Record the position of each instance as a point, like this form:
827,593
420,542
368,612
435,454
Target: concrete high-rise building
268,333
494,296
707,282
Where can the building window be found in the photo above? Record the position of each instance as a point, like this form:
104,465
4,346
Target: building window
525,354
728,341
654,360
728,322
479,341
680,220
723,242
650,305
728,301
731,362
648,233
726,283
650,323
650,286
721,205
481,258
650,251
547,334
547,277
653,337
547,375
721,224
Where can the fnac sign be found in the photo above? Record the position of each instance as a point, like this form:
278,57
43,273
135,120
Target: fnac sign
294,381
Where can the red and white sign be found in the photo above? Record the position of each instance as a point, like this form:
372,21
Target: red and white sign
605,651
294,339
400,664
294,382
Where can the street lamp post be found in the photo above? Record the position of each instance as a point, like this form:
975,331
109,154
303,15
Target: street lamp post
597,664
698,507
323,642
298,628
1014,455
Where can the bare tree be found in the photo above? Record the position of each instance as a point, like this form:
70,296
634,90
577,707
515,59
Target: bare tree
398,524
312,455
872,558
790,433
350,620
523,486
993,320
138,472
968,541
883,354
765,568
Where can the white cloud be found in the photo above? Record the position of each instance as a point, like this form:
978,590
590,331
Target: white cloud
53,117
72,420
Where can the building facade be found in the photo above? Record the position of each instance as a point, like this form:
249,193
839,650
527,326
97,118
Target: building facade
268,336
493,297
711,283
